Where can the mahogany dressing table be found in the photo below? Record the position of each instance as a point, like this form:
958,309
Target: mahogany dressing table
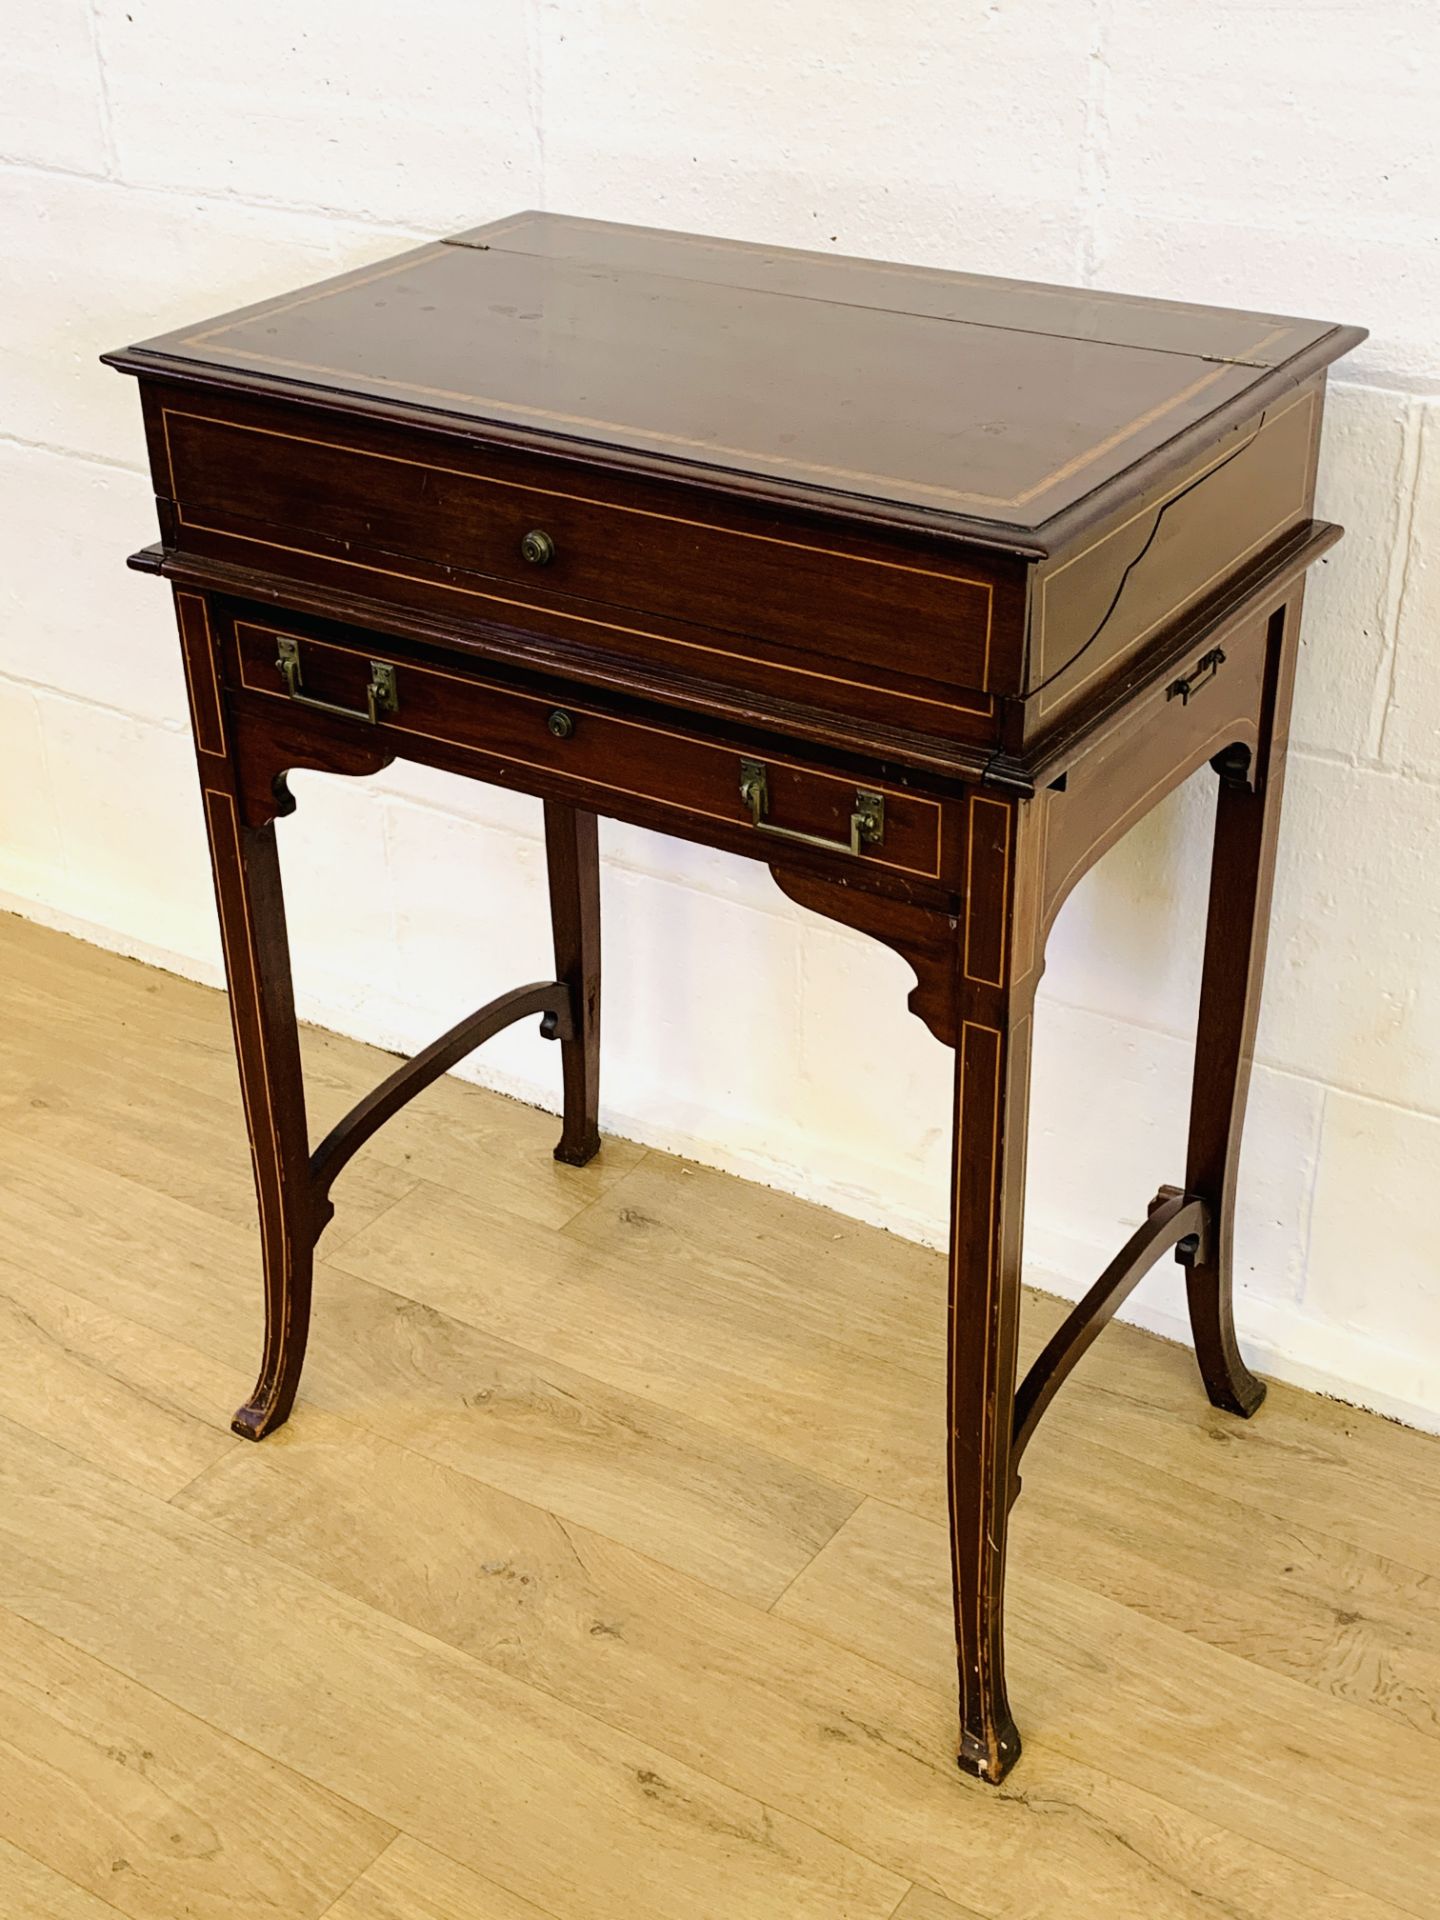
919,586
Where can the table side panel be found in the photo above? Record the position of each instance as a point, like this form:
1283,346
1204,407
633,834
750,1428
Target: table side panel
1158,741
1095,608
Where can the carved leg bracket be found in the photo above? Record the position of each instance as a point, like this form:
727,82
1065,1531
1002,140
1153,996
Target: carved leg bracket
923,936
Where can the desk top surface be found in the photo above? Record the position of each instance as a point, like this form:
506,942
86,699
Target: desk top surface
998,405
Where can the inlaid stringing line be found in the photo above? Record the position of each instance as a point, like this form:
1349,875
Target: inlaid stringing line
605,626
1221,737
187,654
1066,689
392,724
983,1330
232,952
1046,484
980,799
212,678
579,499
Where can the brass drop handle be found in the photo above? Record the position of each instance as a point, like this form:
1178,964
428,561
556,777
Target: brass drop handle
537,547
867,821
1205,668
382,695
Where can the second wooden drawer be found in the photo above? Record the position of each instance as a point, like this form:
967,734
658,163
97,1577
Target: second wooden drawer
777,799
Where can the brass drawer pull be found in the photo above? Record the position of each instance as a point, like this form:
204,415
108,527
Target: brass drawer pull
867,822
382,695
537,547
1205,668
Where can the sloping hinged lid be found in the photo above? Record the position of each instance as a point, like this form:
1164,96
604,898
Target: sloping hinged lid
1000,407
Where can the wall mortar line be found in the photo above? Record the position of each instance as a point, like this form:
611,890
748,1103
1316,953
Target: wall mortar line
102,80
1405,478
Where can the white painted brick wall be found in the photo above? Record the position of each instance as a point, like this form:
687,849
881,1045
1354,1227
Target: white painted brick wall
163,157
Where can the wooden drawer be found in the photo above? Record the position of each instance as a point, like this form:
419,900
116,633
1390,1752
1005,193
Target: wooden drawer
918,634
423,710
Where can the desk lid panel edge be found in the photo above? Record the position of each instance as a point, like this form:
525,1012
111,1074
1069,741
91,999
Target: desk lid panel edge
732,380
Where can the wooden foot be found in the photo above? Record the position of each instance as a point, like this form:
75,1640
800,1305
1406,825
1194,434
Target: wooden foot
572,852
989,1755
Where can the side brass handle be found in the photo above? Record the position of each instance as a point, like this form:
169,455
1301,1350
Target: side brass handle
867,822
1205,668
382,695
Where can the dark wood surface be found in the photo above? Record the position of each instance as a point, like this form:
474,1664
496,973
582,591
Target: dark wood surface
664,770
1001,401
919,587
745,598
572,857
891,497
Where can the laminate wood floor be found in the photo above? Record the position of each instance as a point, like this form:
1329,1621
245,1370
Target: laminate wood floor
601,1575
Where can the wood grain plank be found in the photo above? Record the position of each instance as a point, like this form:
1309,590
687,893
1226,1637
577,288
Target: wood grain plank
32,1891
1297,1599
705,1501
771,1253
658,1331
413,1882
498,1148
1311,1605
712,1502
176,1125
1332,1785
1359,1478
921,1904
418,1735
150,1809
1387,1659
1194,1744
1362,1480
763,1705
165,1135
1303,1460
480,1141
152,1410
793,1354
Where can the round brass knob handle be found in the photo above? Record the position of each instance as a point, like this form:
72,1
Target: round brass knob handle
561,724
537,547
